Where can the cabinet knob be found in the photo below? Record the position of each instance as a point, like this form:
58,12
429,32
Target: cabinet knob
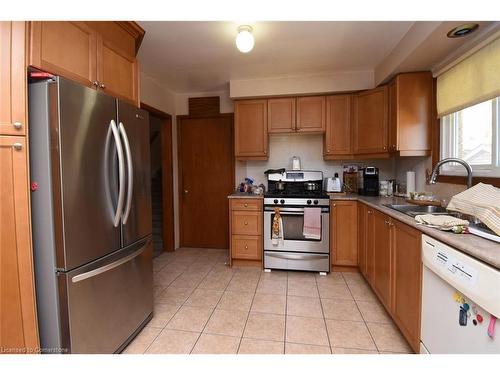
17,124
246,247
17,146
334,205
369,212
102,85
246,223
393,147
95,83
246,205
385,147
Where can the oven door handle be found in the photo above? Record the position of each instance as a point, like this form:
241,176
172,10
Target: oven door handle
294,211
297,256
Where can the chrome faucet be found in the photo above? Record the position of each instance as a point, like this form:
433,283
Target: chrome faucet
435,171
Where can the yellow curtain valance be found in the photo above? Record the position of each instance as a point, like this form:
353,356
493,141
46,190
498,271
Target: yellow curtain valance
471,81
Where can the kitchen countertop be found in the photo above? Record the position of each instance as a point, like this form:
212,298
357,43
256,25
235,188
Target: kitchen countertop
477,247
245,195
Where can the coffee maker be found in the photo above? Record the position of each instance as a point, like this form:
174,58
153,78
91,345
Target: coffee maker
368,181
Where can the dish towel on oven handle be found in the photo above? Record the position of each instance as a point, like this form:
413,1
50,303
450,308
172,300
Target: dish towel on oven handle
312,223
277,229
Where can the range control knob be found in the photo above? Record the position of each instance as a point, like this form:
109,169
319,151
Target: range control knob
275,201
282,201
315,201
309,201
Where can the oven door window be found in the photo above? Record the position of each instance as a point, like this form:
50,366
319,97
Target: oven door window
293,227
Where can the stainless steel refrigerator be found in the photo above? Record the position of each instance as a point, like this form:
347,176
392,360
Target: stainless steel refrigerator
91,217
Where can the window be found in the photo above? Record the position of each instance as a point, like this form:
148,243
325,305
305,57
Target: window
472,134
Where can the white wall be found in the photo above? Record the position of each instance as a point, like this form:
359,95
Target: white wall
156,95
309,148
305,84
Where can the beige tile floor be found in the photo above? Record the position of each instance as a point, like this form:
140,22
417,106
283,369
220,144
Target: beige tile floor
203,306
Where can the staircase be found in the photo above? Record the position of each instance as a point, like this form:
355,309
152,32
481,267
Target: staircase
157,206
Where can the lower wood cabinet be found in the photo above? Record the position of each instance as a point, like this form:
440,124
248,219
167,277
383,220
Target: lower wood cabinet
18,320
407,281
245,226
390,260
343,233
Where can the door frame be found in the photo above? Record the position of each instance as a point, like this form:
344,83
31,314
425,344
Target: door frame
167,183
180,194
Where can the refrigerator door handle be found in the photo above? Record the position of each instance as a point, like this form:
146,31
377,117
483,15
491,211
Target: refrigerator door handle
107,267
130,172
121,174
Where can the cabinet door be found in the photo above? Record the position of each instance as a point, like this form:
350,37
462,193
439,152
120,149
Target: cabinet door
382,258
250,129
311,114
393,116
338,126
117,71
19,330
370,121
362,220
12,78
343,226
64,48
407,281
370,245
413,102
281,115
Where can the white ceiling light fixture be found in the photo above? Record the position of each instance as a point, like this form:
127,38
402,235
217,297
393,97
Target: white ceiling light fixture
244,39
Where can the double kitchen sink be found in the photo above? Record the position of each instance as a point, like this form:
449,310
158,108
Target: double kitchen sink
414,210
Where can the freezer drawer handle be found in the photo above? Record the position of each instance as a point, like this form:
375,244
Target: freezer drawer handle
107,267
121,174
130,172
296,256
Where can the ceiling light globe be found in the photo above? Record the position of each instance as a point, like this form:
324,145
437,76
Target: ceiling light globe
244,40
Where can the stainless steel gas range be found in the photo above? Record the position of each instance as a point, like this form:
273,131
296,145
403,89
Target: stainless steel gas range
291,192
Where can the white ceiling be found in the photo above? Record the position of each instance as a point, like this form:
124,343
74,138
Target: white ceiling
202,56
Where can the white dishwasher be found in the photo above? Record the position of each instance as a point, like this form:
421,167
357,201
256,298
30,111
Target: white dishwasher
460,302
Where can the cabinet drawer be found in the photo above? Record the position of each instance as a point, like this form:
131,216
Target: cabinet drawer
246,247
246,204
249,223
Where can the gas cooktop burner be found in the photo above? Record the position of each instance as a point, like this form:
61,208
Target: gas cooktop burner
304,194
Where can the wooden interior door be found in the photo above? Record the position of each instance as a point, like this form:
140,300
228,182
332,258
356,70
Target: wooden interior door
12,78
18,321
206,178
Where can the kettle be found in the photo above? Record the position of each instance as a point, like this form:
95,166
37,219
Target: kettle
295,163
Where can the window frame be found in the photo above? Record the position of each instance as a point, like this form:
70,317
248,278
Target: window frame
447,146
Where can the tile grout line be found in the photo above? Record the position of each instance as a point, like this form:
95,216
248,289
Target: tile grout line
362,317
182,304
323,313
248,314
286,312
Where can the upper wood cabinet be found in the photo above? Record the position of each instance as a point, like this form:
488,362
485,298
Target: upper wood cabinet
281,115
410,113
250,129
338,137
370,121
344,233
12,78
18,321
407,281
311,114
97,54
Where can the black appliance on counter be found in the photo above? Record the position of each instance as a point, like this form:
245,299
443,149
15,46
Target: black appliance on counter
368,181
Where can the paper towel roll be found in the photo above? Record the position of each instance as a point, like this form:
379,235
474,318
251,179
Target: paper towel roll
410,182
